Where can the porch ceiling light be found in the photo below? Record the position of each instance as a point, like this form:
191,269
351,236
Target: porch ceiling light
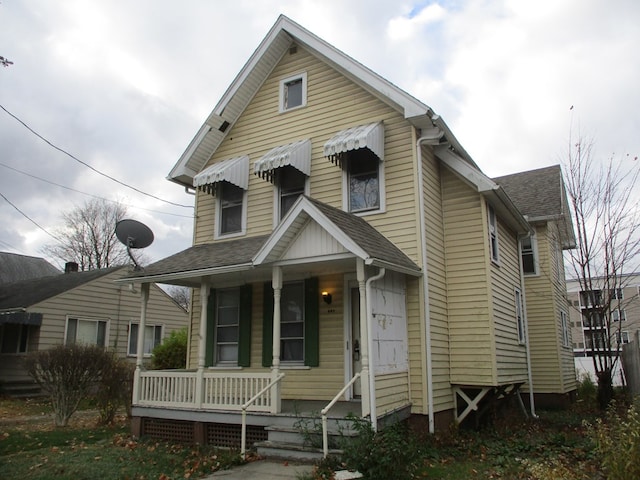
326,296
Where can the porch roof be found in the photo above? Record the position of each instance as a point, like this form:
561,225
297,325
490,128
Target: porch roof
233,256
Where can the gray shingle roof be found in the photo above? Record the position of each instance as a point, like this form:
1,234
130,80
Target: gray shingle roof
242,251
29,292
14,267
536,193
205,256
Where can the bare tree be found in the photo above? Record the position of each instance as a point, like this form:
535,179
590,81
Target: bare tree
181,295
605,215
89,236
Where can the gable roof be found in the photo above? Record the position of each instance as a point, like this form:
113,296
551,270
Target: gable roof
23,294
233,256
541,196
14,267
278,40
353,232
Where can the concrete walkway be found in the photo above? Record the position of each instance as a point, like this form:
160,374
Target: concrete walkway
264,470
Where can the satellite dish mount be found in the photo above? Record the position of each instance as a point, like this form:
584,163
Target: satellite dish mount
133,234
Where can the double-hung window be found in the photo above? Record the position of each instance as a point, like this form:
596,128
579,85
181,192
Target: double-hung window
299,324
363,180
618,315
152,338
229,327
86,331
493,234
231,204
528,255
520,316
564,328
291,184
13,338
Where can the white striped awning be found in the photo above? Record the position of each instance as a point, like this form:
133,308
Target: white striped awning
296,154
369,136
234,170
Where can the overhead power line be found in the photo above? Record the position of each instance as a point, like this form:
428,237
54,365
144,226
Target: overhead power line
86,164
30,219
90,194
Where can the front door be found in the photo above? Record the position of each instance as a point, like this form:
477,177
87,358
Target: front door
356,363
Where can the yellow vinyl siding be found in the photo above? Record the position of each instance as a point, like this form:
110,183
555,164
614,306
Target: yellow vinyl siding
333,103
468,290
391,392
510,355
553,368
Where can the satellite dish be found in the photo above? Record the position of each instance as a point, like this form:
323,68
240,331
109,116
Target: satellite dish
134,234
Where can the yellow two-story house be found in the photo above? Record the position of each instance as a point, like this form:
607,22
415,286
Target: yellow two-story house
346,248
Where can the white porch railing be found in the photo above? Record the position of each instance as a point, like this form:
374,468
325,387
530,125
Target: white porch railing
325,410
220,390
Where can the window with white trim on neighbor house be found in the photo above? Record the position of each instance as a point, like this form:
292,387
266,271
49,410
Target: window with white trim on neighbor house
14,338
363,174
152,338
86,331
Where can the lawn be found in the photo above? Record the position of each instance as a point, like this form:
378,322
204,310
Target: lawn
32,448
557,445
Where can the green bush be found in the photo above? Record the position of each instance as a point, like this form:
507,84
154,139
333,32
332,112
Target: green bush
587,390
617,441
381,455
67,373
172,353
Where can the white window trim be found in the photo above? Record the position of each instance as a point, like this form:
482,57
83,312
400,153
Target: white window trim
88,319
216,347
534,249
519,316
243,230
622,315
564,327
154,325
283,82
381,186
624,332
276,199
494,231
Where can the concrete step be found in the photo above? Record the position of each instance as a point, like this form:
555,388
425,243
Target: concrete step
291,451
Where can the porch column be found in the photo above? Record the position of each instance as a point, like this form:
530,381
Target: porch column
364,339
144,300
202,342
275,362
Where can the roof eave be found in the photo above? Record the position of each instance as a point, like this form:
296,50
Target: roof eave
186,275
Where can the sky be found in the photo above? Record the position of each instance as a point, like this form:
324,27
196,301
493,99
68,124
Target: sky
121,87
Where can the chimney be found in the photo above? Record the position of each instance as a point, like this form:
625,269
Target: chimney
70,267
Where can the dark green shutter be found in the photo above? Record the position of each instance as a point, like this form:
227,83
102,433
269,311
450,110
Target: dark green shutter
311,323
211,330
244,335
267,325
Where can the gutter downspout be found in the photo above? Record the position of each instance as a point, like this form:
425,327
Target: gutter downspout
372,385
431,138
525,322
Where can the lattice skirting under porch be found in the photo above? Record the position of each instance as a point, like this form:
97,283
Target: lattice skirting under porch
184,431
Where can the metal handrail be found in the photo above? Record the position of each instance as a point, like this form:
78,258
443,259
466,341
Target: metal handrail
325,410
247,404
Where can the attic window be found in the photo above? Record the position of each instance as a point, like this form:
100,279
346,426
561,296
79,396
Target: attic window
293,92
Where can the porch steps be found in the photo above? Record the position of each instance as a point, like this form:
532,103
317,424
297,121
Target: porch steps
295,443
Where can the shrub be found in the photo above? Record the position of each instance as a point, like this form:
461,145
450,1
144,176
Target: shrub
67,374
617,441
172,353
115,389
388,453
587,390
